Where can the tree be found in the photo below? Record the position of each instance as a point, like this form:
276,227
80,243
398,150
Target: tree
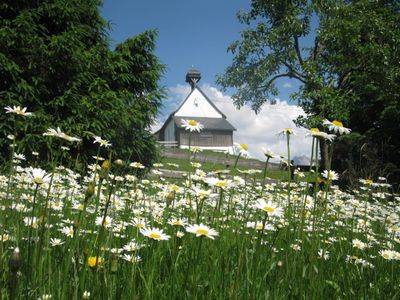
55,59
343,69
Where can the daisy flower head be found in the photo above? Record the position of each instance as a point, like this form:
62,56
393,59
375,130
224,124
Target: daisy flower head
390,254
56,242
132,258
336,126
107,222
155,234
270,208
196,149
139,223
18,111
177,222
58,133
268,153
202,230
315,132
102,142
359,244
221,183
136,165
330,175
241,149
19,156
201,193
132,246
324,254
68,231
192,125
38,175
286,131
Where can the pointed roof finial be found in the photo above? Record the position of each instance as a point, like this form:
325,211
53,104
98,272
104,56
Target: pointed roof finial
193,76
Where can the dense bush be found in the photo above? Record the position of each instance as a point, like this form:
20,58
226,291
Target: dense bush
55,59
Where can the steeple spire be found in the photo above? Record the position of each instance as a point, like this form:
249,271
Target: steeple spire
193,76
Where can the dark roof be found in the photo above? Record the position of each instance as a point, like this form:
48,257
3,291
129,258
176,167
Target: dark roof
208,123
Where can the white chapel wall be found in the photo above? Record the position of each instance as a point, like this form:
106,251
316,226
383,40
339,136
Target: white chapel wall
197,106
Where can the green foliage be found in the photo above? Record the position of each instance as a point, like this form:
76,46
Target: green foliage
348,65
55,59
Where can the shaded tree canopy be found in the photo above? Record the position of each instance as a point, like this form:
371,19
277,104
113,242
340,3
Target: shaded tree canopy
345,55
55,59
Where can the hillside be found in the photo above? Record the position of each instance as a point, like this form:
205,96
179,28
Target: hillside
214,161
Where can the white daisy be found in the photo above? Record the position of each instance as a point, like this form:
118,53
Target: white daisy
103,143
336,126
330,175
58,133
38,175
18,110
192,125
155,234
241,149
270,208
56,242
202,230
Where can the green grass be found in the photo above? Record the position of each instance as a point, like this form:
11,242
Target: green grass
122,237
185,165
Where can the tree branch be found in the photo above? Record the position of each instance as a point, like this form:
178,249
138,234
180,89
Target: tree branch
269,82
295,74
317,49
297,48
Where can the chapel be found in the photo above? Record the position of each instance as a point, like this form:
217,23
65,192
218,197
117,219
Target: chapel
217,133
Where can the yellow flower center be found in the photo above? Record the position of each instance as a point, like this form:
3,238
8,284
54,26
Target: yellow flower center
244,147
19,111
288,130
192,123
269,209
369,181
221,184
385,255
314,129
337,123
155,236
177,223
38,180
202,231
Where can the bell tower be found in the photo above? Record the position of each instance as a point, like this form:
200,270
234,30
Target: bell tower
193,76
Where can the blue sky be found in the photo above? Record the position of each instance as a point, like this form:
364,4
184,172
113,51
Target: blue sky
189,33
198,33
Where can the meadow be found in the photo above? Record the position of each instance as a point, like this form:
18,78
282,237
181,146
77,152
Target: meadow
117,233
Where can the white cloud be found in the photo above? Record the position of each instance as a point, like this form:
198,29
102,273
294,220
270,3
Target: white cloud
256,130
287,85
